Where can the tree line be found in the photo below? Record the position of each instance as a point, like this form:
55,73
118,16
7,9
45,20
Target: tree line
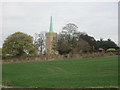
69,40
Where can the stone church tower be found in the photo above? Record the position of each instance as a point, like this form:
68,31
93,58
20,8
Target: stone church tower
51,39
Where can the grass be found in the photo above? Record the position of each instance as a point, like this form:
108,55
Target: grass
87,72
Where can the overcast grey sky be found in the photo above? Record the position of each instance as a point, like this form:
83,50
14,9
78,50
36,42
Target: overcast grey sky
98,19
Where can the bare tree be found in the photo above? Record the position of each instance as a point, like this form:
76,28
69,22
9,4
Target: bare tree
39,42
67,38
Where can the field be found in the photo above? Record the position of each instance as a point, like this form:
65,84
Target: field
87,72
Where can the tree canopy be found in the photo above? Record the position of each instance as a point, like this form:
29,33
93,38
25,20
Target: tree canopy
106,44
70,41
18,44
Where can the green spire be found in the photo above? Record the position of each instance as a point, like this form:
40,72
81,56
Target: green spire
51,27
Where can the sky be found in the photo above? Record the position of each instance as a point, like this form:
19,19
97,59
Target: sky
97,19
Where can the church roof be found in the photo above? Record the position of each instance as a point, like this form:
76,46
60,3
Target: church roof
51,26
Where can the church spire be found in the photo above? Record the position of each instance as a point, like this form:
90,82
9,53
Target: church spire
51,27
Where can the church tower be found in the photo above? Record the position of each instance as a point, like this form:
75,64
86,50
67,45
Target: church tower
51,40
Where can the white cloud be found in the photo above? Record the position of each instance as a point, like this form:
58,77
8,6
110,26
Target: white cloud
97,19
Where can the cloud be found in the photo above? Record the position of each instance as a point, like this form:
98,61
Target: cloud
96,19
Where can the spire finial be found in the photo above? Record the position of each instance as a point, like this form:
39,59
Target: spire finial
51,27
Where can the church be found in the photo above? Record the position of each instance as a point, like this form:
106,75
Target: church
51,40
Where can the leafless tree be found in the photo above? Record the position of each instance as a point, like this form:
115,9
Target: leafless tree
39,42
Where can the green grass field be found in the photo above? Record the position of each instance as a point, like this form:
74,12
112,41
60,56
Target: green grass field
87,72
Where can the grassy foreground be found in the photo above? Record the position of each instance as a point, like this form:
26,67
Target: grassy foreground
89,72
